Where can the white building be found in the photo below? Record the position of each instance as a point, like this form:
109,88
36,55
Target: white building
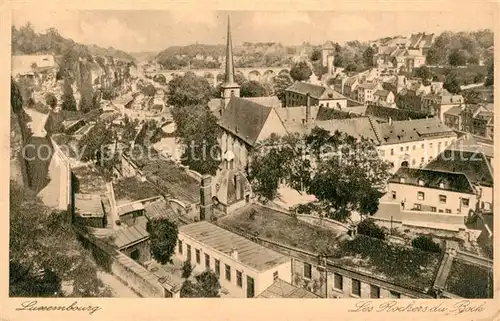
245,269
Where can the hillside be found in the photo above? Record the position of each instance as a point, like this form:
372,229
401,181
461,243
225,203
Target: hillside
25,41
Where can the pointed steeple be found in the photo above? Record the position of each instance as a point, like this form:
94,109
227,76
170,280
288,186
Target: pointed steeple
229,76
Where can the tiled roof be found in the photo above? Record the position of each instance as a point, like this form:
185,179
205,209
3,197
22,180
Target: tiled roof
129,235
159,209
469,280
454,182
455,111
383,113
296,114
282,289
318,92
413,130
244,119
270,101
221,240
368,85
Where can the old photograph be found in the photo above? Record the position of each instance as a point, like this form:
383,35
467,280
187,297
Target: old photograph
251,154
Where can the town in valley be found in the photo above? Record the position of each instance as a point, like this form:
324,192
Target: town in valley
241,169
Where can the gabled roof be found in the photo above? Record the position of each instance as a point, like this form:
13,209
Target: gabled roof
454,111
269,101
244,119
296,114
382,93
316,91
396,114
413,130
454,182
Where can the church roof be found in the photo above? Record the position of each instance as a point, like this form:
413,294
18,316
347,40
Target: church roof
318,92
244,119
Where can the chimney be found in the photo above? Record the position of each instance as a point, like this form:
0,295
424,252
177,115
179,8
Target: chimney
308,108
390,121
234,254
206,198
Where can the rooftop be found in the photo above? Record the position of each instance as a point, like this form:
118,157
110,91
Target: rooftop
87,205
128,236
316,91
159,210
132,189
128,208
396,264
413,130
89,180
469,280
383,113
281,289
270,101
249,253
450,181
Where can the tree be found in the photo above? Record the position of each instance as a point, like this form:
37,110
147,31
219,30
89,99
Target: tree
206,286
316,55
68,100
160,79
369,228
253,89
345,174
16,98
472,97
280,83
458,57
451,83
198,130
44,251
424,73
300,71
189,90
148,90
187,269
368,56
91,143
425,243
163,234
130,129
490,76
51,100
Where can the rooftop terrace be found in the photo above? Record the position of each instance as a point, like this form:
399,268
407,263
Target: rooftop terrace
400,265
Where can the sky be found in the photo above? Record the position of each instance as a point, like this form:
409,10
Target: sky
138,30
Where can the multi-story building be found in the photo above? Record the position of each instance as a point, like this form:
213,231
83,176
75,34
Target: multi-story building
245,269
437,104
433,191
296,95
384,98
366,91
474,119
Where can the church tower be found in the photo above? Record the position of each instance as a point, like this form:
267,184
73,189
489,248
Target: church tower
229,88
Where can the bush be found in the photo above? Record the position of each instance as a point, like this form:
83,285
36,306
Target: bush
369,228
187,269
425,243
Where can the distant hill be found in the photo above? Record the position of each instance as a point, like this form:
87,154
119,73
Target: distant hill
144,56
25,41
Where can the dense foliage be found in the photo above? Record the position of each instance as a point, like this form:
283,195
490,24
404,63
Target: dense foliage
188,90
44,252
280,83
163,234
300,71
369,228
425,243
346,175
206,285
253,88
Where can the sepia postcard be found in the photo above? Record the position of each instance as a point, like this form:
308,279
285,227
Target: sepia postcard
336,158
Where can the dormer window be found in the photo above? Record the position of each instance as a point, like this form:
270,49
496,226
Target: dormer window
441,185
402,180
421,182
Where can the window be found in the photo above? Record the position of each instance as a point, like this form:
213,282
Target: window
418,207
447,211
413,161
198,256
420,196
228,272
239,279
465,202
402,148
381,152
374,292
392,151
439,146
421,182
338,282
433,209
402,180
442,199
189,252
430,145
422,159
356,287
217,267
414,147
179,244
441,185
407,148
275,275
207,261
422,146
440,211
250,287
393,195
394,295
307,270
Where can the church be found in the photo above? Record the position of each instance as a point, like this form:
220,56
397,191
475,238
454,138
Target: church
244,121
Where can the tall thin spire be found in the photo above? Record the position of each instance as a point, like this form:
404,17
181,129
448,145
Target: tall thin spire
229,77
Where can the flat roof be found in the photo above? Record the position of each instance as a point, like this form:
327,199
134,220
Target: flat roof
250,254
88,205
128,208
